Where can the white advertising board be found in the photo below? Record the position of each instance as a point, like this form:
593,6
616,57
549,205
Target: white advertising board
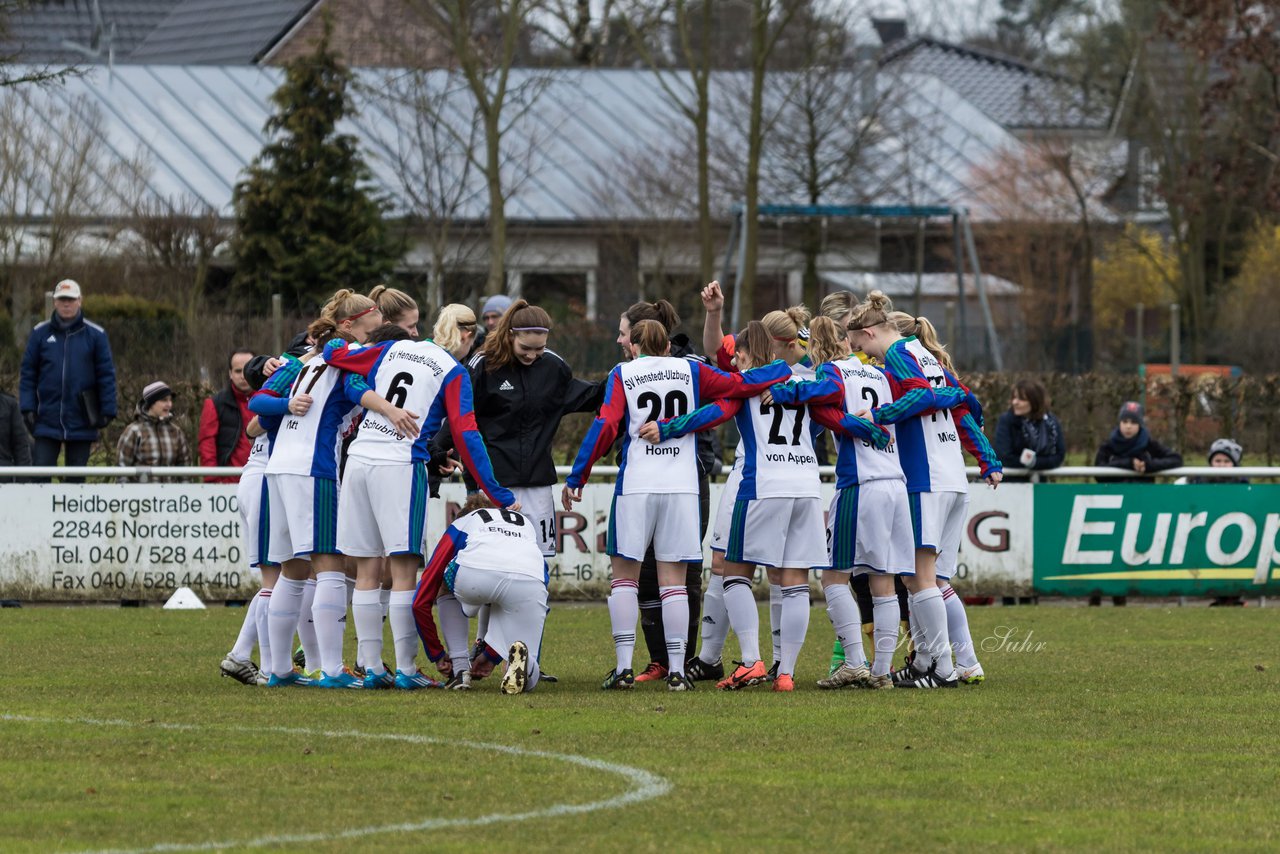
103,542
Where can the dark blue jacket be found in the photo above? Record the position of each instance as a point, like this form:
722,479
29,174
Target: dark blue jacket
60,364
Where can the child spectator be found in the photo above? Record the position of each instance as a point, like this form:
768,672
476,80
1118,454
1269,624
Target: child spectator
1131,447
1223,453
153,439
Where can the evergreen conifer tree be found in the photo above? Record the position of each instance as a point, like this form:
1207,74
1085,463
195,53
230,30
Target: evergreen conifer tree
306,222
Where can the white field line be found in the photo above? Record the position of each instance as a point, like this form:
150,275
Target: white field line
643,784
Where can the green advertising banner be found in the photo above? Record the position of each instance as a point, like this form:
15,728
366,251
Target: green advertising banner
1157,539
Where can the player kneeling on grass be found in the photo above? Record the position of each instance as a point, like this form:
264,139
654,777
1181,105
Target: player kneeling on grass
490,557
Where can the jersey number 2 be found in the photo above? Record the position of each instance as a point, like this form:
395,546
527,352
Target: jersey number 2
676,405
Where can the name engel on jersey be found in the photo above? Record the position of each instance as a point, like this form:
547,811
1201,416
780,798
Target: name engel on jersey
502,540
410,375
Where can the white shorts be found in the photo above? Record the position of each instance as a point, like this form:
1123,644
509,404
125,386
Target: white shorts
382,509
303,516
778,533
671,522
937,521
517,609
724,511
251,496
869,529
538,503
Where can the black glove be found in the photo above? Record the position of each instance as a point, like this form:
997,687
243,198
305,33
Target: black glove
30,418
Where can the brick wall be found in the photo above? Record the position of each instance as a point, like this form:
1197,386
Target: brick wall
369,33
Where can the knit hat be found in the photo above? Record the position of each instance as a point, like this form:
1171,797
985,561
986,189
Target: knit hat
1131,410
157,390
496,304
1226,446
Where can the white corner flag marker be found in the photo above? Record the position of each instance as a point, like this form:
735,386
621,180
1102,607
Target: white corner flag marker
184,599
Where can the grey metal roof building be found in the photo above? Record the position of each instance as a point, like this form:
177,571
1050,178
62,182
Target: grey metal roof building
1013,93
226,32
197,127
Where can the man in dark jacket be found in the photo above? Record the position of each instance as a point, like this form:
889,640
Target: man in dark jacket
221,437
68,386
15,442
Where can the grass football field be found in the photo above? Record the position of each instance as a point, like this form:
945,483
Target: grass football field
1099,728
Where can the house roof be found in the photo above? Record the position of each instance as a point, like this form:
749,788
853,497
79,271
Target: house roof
197,127
40,34
206,32
1015,94
219,32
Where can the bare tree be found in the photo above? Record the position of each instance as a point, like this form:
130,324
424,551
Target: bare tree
56,177
769,19
438,141
485,38
685,78
178,239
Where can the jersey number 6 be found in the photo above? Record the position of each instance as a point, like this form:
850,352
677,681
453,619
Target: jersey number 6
398,391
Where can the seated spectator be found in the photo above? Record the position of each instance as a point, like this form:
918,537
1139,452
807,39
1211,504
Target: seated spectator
152,438
15,441
1028,436
221,437
1131,447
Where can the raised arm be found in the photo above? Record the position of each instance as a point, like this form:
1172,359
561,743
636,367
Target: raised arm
712,330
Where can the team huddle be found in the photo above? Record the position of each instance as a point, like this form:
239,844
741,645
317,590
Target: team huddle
354,423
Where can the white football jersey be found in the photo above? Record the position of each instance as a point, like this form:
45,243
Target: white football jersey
938,440
310,444
658,387
259,452
777,443
500,540
865,387
410,375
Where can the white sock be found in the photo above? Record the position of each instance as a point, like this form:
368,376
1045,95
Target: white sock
624,614
307,629
775,619
931,614
366,609
884,614
351,587
482,622
264,632
842,610
329,612
715,621
795,625
744,619
958,628
385,594
923,658
454,625
282,619
404,632
675,625
248,636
